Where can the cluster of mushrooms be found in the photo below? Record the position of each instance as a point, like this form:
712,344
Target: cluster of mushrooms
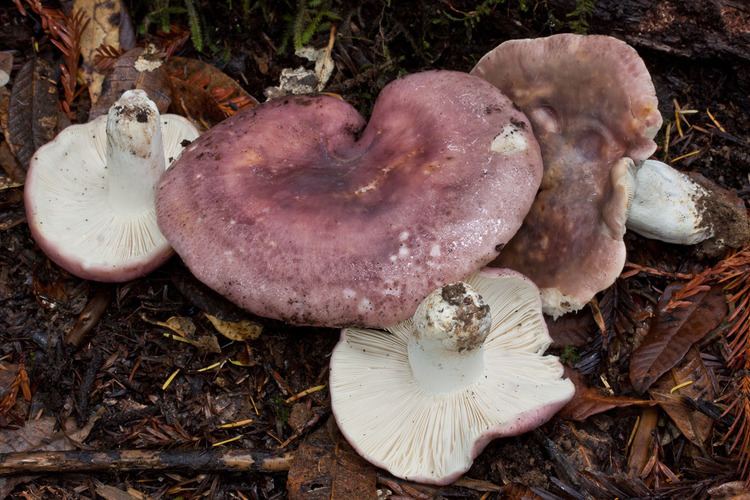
302,211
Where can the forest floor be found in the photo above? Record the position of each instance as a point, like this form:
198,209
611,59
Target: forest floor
106,367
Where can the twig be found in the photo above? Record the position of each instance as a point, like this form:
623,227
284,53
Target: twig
124,460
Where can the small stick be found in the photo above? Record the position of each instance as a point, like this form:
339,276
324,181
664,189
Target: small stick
34,462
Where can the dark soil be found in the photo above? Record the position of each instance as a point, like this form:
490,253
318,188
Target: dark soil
118,370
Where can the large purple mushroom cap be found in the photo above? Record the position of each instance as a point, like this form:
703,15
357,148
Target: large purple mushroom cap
299,210
594,111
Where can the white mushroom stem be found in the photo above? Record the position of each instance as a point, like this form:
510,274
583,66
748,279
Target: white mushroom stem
446,350
135,152
667,205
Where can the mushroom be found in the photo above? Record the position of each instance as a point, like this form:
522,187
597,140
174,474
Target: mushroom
89,193
423,398
593,108
295,210
686,209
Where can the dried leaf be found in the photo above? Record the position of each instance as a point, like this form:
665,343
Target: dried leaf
693,424
14,174
299,416
641,447
574,329
236,330
244,358
33,110
102,29
326,467
618,309
111,493
518,491
207,343
40,435
203,92
672,332
734,490
182,326
589,401
136,69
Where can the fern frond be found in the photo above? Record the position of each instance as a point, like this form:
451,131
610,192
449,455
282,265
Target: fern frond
196,32
733,274
578,19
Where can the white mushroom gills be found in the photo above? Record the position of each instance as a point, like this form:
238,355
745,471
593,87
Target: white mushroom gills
135,152
446,350
90,193
422,399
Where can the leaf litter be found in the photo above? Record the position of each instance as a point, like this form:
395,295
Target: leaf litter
661,401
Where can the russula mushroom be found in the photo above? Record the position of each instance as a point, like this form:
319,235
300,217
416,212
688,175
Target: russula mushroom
295,210
593,108
686,209
425,397
89,193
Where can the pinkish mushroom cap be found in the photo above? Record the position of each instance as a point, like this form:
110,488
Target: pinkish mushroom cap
296,210
593,108
424,398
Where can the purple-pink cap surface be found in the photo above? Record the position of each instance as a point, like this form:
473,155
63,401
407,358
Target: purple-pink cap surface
302,211
593,107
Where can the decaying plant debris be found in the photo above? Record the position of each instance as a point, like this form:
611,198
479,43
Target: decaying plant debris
167,368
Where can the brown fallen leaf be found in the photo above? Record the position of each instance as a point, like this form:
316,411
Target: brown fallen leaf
181,325
326,467
589,401
673,331
236,330
41,435
185,331
18,385
734,490
33,111
517,491
111,493
642,442
103,29
136,69
689,379
575,329
14,174
204,93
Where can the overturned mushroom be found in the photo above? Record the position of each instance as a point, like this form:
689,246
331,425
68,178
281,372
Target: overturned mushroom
89,193
593,108
424,398
297,211
686,209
